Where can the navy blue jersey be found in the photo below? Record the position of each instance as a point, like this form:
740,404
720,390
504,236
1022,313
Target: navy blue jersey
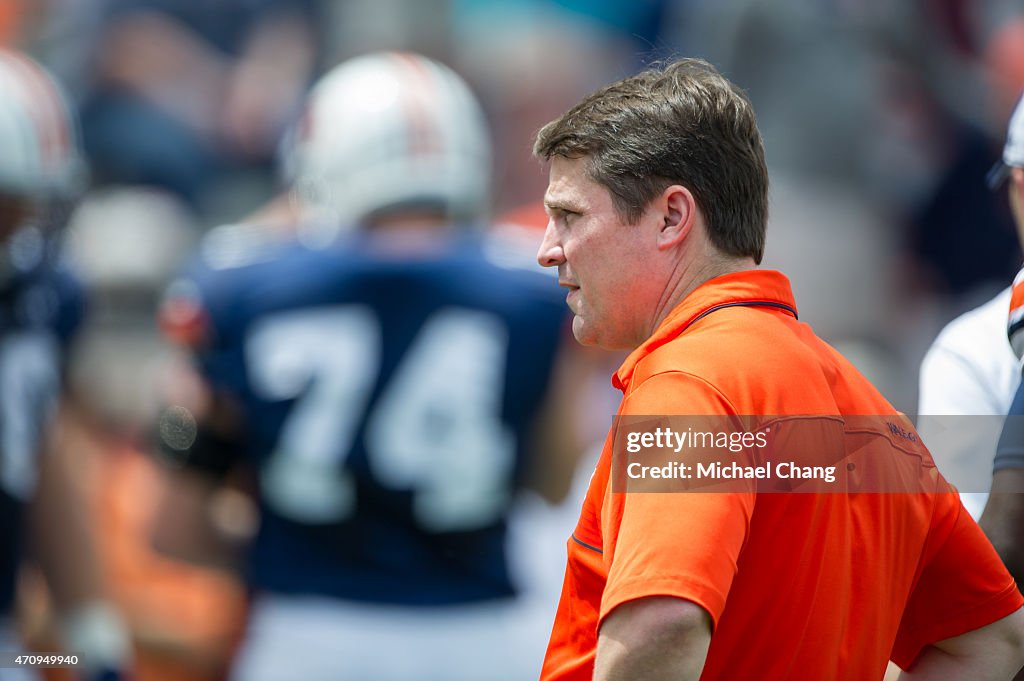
38,316
387,399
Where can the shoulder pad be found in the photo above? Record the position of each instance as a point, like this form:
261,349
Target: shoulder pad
237,245
513,246
183,317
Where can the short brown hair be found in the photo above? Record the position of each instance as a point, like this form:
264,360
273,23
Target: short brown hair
682,124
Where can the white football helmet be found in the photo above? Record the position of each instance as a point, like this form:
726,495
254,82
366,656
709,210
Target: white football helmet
385,132
39,138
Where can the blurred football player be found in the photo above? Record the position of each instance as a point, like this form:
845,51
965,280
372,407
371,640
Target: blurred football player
393,376
1003,516
971,369
124,245
40,307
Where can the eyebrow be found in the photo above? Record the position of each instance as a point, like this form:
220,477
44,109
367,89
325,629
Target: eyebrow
560,205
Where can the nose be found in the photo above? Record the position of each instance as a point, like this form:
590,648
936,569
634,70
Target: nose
550,253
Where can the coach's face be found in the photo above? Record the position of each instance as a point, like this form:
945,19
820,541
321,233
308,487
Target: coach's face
605,263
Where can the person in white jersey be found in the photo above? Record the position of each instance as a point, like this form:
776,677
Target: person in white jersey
971,369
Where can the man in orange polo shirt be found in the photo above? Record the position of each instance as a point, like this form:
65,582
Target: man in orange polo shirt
657,201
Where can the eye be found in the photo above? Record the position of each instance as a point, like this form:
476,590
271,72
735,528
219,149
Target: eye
561,215
566,216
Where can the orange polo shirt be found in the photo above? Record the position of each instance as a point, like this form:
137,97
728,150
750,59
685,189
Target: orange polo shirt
798,585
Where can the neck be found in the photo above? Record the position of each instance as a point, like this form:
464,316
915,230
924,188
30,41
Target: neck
688,274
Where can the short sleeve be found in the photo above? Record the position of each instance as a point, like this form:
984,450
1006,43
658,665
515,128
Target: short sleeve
684,544
202,312
949,600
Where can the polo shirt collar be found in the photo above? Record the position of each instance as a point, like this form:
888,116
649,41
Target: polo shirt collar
749,286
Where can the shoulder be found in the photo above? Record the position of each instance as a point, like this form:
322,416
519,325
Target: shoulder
51,298
239,245
511,252
765,362
978,333
500,266
222,277
514,247
972,351
732,337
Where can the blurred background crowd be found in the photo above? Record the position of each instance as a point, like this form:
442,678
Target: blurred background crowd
880,121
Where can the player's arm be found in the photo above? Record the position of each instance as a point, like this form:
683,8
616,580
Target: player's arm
993,652
199,433
60,531
655,638
188,526
1003,518
64,548
199,438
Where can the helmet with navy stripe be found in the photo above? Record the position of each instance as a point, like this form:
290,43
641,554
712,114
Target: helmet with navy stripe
390,132
38,134
41,167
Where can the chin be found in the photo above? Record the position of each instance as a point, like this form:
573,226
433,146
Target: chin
586,334
582,332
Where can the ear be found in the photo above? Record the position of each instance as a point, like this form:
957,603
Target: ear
678,213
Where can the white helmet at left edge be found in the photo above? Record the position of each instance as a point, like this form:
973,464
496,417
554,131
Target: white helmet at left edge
39,141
